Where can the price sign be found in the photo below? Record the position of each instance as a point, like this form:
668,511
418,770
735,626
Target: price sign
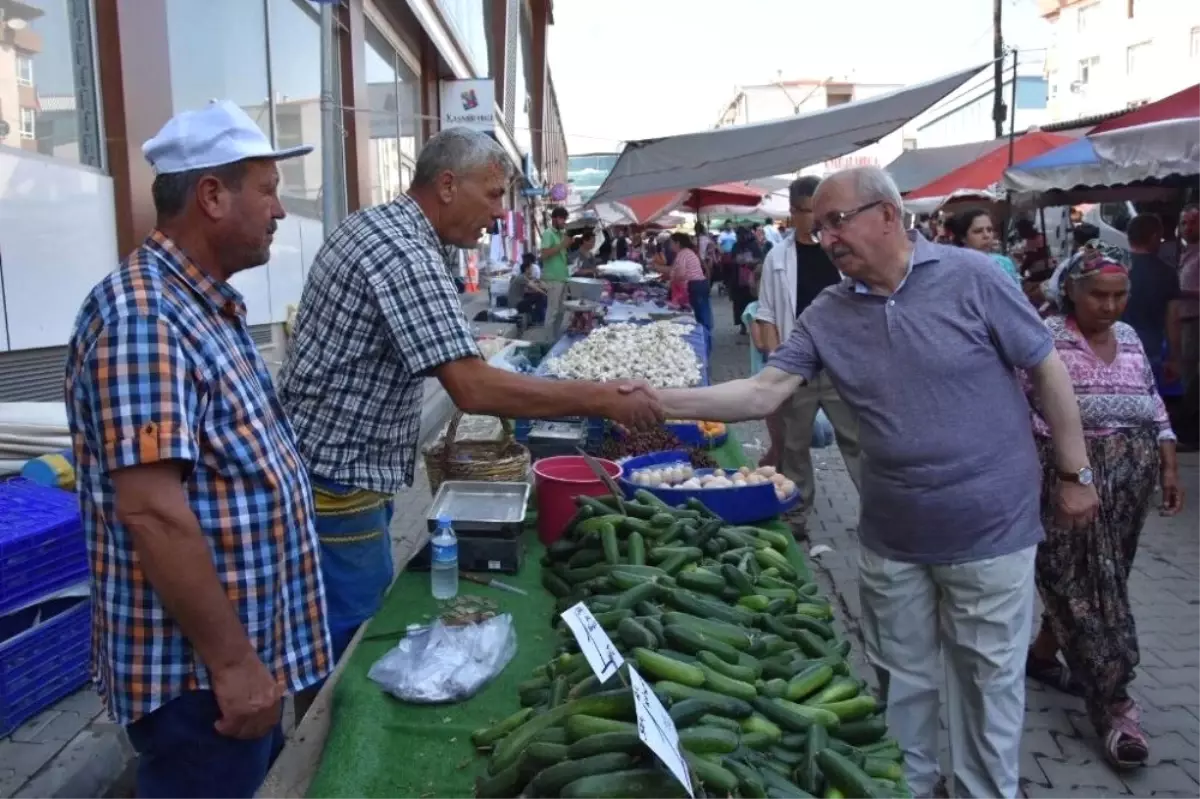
595,644
657,730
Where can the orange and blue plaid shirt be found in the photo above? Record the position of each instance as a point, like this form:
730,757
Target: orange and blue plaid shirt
161,367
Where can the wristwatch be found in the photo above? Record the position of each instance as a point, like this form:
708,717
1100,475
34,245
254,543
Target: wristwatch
1083,476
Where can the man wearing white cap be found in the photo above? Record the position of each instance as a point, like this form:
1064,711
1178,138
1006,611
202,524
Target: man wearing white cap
207,599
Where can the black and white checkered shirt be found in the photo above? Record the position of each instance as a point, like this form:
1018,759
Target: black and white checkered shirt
379,311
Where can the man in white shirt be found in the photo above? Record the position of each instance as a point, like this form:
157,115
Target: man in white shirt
795,271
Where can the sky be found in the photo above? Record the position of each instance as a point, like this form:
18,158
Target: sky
634,69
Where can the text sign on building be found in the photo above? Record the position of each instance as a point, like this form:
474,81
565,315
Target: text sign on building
469,104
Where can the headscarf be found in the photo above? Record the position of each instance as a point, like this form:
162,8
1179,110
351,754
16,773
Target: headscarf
1094,258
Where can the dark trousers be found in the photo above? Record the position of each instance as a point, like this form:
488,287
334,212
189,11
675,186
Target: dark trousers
700,298
180,753
534,304
742,297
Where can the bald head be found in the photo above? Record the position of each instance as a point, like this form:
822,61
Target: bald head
858,219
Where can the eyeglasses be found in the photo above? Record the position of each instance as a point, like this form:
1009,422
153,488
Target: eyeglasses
834,220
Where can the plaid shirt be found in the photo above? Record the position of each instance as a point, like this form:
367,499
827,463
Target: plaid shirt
161,367
379,312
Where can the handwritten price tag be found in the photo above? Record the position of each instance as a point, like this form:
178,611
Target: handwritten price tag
595,644
657,730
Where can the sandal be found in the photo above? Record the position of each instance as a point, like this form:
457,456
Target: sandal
1125,744
1053,673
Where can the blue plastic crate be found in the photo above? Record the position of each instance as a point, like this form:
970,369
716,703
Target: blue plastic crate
44,656
42,549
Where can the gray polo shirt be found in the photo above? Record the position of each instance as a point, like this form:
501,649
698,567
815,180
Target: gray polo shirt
949,469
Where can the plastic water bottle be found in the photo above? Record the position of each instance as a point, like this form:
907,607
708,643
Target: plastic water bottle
443,561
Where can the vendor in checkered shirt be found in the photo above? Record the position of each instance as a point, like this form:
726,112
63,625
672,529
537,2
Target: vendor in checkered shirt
379,314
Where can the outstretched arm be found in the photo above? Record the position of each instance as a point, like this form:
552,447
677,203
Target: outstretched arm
750,398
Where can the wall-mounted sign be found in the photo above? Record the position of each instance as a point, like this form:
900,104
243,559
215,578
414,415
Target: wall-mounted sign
469,104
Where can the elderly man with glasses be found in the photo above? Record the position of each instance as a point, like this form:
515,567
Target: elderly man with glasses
923,341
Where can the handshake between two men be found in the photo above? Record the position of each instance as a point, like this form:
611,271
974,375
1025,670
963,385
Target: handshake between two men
638,405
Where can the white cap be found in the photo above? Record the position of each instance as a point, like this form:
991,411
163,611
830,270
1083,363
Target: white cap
220,133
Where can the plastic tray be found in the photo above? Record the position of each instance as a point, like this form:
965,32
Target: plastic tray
42,549
734,505
41,665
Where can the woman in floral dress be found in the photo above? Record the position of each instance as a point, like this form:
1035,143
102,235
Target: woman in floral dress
1083,575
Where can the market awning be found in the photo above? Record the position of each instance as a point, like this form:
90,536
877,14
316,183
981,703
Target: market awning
1181,105
989,169
1156,154
914,168
652,206
743,152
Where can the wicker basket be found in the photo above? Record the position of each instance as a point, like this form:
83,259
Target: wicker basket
493,461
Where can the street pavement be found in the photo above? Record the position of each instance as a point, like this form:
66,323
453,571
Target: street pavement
72,750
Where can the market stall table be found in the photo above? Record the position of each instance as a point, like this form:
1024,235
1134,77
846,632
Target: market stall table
357,741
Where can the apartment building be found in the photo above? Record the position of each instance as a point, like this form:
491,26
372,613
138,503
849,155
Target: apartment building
1108,55
84,82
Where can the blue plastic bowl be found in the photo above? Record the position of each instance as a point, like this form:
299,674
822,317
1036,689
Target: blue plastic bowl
734,505
690,434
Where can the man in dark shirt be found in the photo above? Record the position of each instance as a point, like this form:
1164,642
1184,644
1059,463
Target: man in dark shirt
793,274
1153,307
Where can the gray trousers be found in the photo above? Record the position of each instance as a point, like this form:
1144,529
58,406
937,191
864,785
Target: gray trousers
797,415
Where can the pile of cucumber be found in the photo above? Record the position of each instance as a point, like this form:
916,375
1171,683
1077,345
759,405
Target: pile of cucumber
738,649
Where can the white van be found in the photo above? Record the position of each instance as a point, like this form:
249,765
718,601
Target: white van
1112,219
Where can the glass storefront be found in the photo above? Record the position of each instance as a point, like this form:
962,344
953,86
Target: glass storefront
393,93
471,20
218,50
523,89
48,101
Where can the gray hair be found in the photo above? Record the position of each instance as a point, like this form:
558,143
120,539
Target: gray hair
171,190
870,184
457,150
803,188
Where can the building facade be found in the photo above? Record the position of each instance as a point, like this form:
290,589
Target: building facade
586,173
966,116
785,98
1109,55
83,83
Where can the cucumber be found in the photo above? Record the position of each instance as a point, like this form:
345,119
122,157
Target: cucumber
646,498
592,526
770,559
632,524
557,586
836,691
782,785
554,735
856,709
719,780
883,769
695,504
818,715
755,602
608,540
660,520
861,733
807,682
550,781
756,740
659,554
487,736
664,667
506,782
697,605
700,580
773,537
761,724
689,712
689,639
541,754
811,644
727,633
655,626
632,633
534,696
640,783
846,777
719,721
604,742
719,704
558,691
587,686
750,782
814,610
775,688
808,772
595,505
799,622
737,579
642,592
706,740
742,670
715,681
584,726
584,558
637,549
674,563
611,619
609,704
785,756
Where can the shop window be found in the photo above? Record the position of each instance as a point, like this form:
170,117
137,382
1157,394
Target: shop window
49,90
392,90
523,89
295,81
471,21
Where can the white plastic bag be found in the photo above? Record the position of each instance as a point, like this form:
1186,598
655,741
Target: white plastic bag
446,664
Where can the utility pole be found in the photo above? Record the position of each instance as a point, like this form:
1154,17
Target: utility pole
998,67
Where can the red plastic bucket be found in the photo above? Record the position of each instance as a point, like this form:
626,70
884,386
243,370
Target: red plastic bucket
558,481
